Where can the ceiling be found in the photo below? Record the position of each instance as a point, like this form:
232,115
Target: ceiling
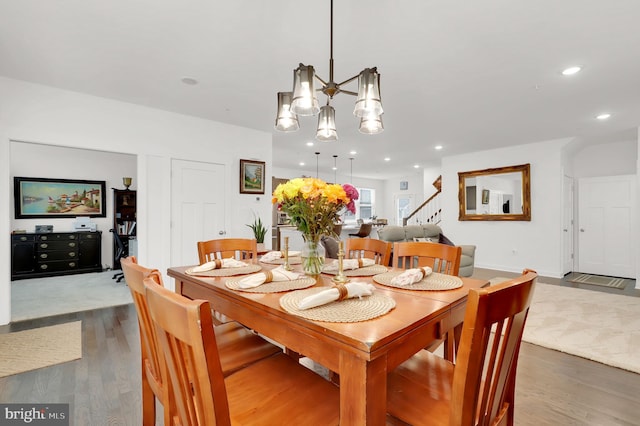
467,75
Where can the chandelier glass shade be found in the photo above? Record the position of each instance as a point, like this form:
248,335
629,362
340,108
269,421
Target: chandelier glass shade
286,121
371,124
327,124
304,100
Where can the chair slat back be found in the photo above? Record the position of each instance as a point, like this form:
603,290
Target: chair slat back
441,258
378,250
484,377
135,274
238,248
188,348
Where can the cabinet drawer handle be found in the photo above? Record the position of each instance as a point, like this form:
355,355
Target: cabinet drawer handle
44,245
72,244
23,238
44,256
72,264
44,266
72,254
43,237
72,237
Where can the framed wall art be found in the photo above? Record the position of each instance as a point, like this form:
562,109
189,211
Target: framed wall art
252,175
55,198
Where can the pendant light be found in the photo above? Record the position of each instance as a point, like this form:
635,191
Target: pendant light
317,156
351,181
335,169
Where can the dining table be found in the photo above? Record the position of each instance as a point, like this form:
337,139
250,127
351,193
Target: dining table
360,352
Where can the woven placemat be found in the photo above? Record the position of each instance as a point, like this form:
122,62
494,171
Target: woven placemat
366,271
348,310
433,281
226,272
272,287
292,261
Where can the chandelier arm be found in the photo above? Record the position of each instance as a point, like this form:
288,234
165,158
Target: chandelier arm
324,83
348,92
349,80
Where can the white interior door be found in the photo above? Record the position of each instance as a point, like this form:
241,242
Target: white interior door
605,214
567,225
197,207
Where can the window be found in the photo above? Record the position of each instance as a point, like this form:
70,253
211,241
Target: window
365,206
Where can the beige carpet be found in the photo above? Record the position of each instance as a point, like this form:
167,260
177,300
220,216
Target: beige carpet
27,350
43,297
599,326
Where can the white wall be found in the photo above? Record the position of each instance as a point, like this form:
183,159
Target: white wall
48,161
512,245
40,114
606,159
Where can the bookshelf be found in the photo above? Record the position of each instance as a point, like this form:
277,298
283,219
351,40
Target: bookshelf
124,220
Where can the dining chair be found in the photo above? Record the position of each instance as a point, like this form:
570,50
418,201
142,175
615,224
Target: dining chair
371,248
276,390
479,389
238,248
364,231
442,258
238,346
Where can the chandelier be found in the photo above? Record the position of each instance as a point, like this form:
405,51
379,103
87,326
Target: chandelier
304,101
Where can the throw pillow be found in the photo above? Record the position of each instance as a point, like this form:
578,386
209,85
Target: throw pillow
423,240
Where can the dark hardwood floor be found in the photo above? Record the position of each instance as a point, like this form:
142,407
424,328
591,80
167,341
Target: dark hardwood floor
103,387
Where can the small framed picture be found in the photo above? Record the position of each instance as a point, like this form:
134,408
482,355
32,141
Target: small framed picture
252,175
485,196
404,185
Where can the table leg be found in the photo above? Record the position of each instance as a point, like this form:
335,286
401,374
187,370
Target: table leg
363,390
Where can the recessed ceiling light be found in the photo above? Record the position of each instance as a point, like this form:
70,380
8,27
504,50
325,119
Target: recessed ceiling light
603,116
438,147
416,166
571,70
309,143
189,80
334,168
387,159
302,163
352,152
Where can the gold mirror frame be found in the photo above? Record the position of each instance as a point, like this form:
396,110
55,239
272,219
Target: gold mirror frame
524,169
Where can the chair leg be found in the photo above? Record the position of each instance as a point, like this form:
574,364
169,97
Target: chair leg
148,402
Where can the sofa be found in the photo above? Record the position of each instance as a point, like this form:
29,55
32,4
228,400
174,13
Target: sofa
428,233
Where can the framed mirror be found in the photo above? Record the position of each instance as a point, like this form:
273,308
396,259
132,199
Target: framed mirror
502,193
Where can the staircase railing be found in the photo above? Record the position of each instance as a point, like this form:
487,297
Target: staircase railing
432,207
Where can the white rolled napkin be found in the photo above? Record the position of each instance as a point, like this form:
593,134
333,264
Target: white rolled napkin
275,255
348,264
411,276
339,292
219,264
276,274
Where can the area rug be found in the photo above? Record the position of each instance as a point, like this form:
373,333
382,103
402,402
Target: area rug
599,326
28,350
600,280
43,297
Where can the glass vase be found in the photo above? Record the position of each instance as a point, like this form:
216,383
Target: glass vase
312,257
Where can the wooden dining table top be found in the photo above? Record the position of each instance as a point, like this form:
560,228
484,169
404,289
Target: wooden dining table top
360,352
